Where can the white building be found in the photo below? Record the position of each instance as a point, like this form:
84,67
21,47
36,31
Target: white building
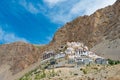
60,55
86,48
80,52
74,44
93,55
69,50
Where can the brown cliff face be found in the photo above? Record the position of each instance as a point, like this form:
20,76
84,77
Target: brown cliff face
18,55
91,30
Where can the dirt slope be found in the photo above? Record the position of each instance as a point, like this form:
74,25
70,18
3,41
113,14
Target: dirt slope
108,49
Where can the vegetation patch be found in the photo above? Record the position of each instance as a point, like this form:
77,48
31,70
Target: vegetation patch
113,62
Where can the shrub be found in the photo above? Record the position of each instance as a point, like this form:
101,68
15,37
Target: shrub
81,69
40,75
113,62
25,78
53,73
85,71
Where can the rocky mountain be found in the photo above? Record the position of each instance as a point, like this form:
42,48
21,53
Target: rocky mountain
101,29
104,24
18,55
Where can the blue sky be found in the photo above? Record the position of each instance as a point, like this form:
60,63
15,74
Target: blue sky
36,21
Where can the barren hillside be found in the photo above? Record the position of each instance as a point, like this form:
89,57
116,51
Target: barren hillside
18,55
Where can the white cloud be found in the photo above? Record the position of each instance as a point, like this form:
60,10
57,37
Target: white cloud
90,6
62,11
9,37
52,3
29,7
71,9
